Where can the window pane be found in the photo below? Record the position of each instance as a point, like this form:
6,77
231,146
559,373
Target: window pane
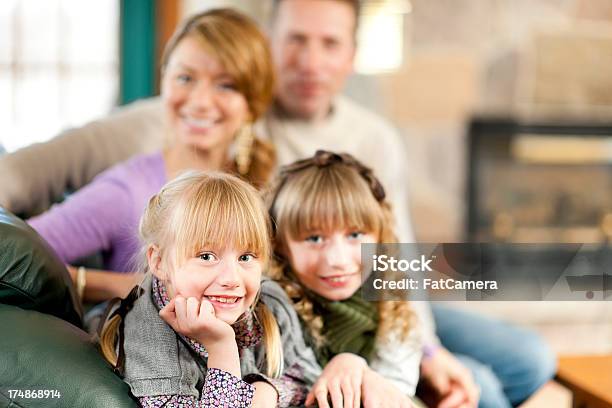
7,11
92,28
58,66
36,108
80,87
38,28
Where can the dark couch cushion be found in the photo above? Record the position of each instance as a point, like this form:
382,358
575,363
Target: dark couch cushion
42,352
31,275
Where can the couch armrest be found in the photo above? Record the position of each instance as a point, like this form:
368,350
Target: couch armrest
42,352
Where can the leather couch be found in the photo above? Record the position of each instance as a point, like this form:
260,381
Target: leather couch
46,358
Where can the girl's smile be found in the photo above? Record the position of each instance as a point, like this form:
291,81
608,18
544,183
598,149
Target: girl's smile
225,302
340,281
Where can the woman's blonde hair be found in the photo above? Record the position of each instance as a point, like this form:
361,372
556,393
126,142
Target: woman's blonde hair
243,51
198,210
325,193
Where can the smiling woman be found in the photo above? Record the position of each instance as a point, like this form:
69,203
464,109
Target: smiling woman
217,78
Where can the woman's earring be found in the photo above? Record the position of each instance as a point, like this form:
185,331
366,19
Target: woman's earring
244,145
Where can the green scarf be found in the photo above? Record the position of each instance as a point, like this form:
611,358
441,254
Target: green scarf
348,326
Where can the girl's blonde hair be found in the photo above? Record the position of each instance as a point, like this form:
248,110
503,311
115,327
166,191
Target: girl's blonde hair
242,49
325,193
198,210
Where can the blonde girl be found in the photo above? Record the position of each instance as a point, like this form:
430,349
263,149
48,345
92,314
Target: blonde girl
324,208
198,332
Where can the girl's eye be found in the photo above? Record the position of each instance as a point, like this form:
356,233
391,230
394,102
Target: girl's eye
207,256
355,235
246,257
315,239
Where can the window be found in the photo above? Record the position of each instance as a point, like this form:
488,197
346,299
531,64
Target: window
381,36
59,64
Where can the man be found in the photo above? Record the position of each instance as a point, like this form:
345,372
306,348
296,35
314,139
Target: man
313,44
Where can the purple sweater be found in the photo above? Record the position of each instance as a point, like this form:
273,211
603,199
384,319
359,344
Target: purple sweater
104,215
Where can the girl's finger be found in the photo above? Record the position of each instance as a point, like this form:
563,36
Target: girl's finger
193,308
206,309
168,314
348,394
321,395
180,307
336,394
356,393
309,399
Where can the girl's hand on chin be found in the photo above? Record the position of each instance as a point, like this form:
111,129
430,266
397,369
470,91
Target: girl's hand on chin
196,319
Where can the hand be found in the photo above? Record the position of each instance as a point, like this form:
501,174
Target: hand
451,382
378,392
196,319
342,379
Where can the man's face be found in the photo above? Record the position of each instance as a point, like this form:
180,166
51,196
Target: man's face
313,48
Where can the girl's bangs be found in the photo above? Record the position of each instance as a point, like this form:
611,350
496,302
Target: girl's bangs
227,217
327,199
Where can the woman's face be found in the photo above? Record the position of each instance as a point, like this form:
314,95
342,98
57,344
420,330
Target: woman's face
203,107
226,277
329,263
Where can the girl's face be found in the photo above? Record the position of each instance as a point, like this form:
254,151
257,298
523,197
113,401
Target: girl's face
203,107
227,278
329,263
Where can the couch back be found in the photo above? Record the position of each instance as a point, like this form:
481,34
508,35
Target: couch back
31,276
